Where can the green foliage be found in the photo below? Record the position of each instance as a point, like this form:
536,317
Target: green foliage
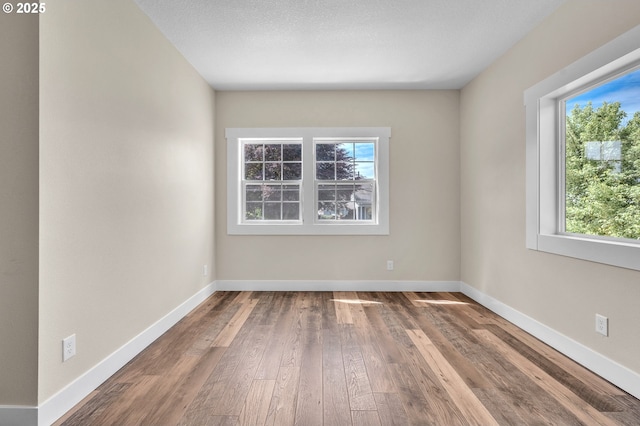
602,195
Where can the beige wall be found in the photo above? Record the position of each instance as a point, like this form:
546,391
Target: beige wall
560,292
424,188
18,209
126,182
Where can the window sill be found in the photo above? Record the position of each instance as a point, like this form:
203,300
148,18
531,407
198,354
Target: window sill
315,229
615,253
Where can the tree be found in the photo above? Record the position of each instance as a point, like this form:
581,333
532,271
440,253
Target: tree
602,172
334,162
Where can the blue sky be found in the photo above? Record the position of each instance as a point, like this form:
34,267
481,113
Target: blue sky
364,156
625,89
364,151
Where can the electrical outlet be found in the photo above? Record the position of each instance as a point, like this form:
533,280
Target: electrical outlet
68,347
602,325
205,270
389,265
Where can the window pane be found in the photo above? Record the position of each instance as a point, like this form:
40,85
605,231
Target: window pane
344,161
292,171
253,152
365,151
344,193
254,211
325,152
271,183
253,193
265,162
364,192
325,171
273,152
273,171
363,206
335,161
272,192
345,170
345,201
326,192
292,152
344,152
352,202
291,211
291,193
272,211
344,211
253,171
602,160
326,210
365,171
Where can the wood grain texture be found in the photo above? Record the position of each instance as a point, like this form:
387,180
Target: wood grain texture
282,410
350,358
232,328
335,396
309,401
256,407
466,401
390,409
578,407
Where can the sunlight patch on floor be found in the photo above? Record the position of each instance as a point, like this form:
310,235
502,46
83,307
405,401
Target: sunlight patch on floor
356,301
441,302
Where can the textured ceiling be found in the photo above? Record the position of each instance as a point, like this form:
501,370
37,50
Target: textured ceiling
343,44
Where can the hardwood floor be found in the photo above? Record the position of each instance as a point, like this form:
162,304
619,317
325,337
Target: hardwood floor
346,358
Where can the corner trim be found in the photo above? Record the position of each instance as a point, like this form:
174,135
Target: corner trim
329,285
619,375
63,401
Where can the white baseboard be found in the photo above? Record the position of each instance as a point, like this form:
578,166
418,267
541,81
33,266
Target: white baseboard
18,416
56,406
619,375
313,285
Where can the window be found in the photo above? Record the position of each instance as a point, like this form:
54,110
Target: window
271,180
308,181
601,141
345,180
583,157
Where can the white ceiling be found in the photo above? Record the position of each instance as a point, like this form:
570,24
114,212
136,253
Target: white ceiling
344,44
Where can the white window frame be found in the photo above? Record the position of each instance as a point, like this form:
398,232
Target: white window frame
244,182
338,182
309,225
544,124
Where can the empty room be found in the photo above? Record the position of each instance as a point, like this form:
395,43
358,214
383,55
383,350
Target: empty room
320,212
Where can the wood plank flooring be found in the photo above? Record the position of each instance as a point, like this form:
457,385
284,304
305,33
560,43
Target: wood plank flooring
346,358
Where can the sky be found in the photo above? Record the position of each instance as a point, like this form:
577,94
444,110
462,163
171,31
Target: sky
625,89
364,156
